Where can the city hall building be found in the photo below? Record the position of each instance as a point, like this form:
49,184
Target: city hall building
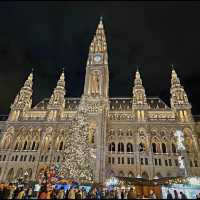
132,137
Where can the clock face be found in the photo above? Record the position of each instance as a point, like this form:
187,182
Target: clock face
97,58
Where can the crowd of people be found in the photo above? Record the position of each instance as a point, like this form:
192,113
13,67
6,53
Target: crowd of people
179,196
11,191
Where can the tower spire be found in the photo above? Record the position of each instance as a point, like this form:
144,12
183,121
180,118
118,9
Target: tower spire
139,96
139,105
179,100
97,75
56,103
57,98
98,43
23,100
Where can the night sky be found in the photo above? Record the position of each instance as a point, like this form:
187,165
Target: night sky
48,36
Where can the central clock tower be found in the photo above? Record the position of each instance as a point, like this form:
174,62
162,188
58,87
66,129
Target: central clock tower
97,75
95,98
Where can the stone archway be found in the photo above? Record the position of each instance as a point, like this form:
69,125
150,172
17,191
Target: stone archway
19,173
10,175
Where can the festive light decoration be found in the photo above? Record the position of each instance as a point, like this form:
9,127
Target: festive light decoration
177,181
181,162
78,155
180,140
180,147
112,182
194,180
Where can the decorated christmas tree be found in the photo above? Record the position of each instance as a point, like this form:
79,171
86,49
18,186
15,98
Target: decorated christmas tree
77,162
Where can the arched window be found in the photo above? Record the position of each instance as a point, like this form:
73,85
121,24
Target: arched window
154,149
173,148
33,159
10,175
30,158
129,147
25,145
164,149
16,157
19,173
61,146
25,158
58,159
33,146
141,147
120,147
112,146
21,158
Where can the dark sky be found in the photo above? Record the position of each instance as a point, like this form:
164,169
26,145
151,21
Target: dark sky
50,35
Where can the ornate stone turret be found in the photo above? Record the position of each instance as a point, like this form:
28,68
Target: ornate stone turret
139,98
23,100
97,75
57,101
179,99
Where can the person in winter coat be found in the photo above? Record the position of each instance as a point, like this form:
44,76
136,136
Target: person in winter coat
71,194
61,193
131,194
183,196
169,195
21,194
175,194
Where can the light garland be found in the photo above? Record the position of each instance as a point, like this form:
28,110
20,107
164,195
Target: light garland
77,154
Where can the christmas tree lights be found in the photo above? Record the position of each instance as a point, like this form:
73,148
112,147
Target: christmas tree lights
77,162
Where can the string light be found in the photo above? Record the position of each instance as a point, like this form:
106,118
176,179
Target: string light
78,156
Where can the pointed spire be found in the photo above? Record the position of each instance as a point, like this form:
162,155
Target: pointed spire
178,94
61,81
138,80
100,26
98,43
23,99
139,96
58,97
29,82
174,78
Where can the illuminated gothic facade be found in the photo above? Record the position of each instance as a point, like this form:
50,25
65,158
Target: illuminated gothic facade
132,136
